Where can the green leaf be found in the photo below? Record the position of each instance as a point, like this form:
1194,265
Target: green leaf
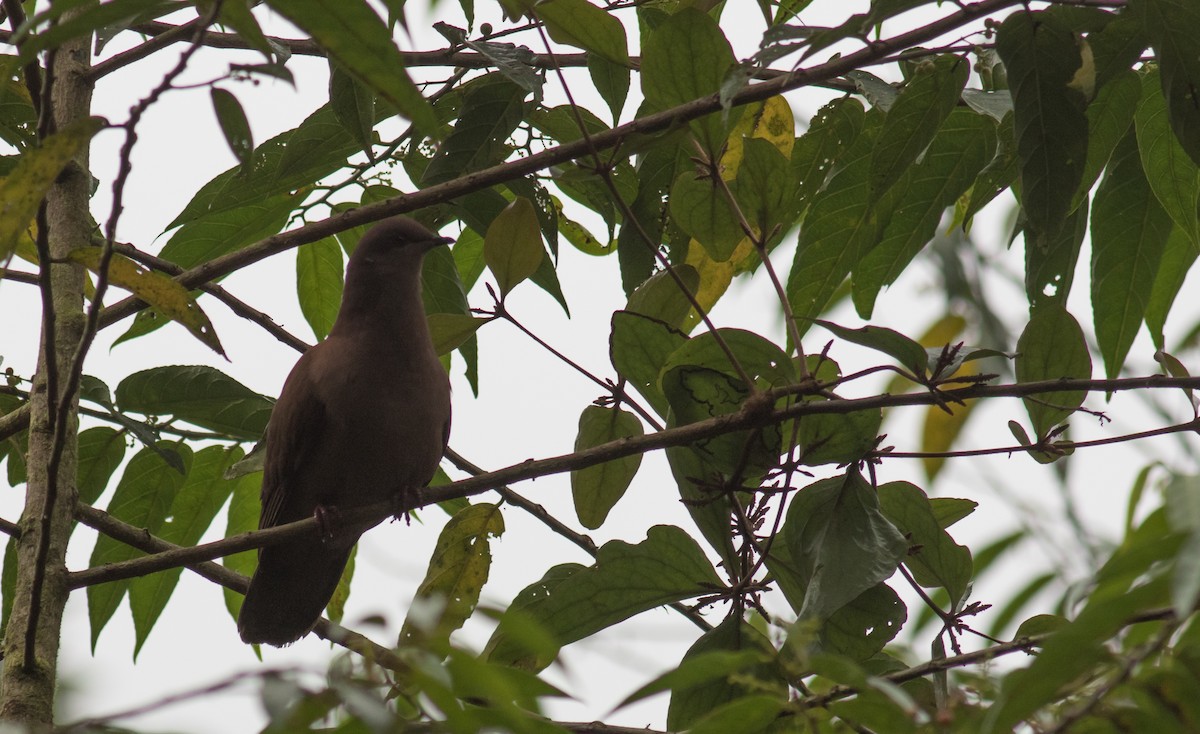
512,247
949,510
583,25
143,499
36,170
965,143
862,627
686,58
596,489
286,163
642,232
1177,260
492,107
697,691
200,395
319,281
195,506
638,348
764,187
625,580
353,105
1172,26
356,38
907,352
341,593
101,450
1042,57
457,571
229,231
611,81
1109,118
451,330
1173,176
936,560
1050,260
1052,347
999,174
700,208
913,120
761,359
840,541
234,125
1129,235
838,230
661,298
830,133
164,294
244,509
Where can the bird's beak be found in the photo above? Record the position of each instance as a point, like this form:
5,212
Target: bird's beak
438,242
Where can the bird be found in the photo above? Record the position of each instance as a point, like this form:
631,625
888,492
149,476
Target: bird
363,417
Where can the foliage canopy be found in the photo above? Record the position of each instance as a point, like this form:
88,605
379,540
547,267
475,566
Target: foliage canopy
813,573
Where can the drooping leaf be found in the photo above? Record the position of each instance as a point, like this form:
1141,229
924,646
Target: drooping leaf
1177,260
838,230
1173,176
1042,57
143,498
319,281
458,569
934,558
192,511
512,247
951,164
1052,347
840,541
101,450
353,105
234,125
595,489
164,294
1129,235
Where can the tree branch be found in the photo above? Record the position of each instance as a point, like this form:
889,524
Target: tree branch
752,415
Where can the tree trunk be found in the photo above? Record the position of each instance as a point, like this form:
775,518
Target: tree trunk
27,685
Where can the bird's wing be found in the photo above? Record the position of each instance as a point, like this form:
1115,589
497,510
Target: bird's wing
297,424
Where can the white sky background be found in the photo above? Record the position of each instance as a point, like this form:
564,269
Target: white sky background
529,407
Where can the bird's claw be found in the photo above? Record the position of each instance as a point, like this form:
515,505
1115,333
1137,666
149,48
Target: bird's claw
329,519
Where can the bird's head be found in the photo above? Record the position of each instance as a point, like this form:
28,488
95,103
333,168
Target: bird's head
397,244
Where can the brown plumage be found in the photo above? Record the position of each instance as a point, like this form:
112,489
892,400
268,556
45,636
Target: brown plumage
363,416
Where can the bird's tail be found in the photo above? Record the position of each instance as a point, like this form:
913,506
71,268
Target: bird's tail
293,583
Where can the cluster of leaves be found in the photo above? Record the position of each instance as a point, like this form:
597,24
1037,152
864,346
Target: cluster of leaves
1064,101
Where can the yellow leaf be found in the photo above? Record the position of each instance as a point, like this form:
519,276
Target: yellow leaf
26,185
166,295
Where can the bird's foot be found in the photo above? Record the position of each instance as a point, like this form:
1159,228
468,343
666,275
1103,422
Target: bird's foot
329,521
403,503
